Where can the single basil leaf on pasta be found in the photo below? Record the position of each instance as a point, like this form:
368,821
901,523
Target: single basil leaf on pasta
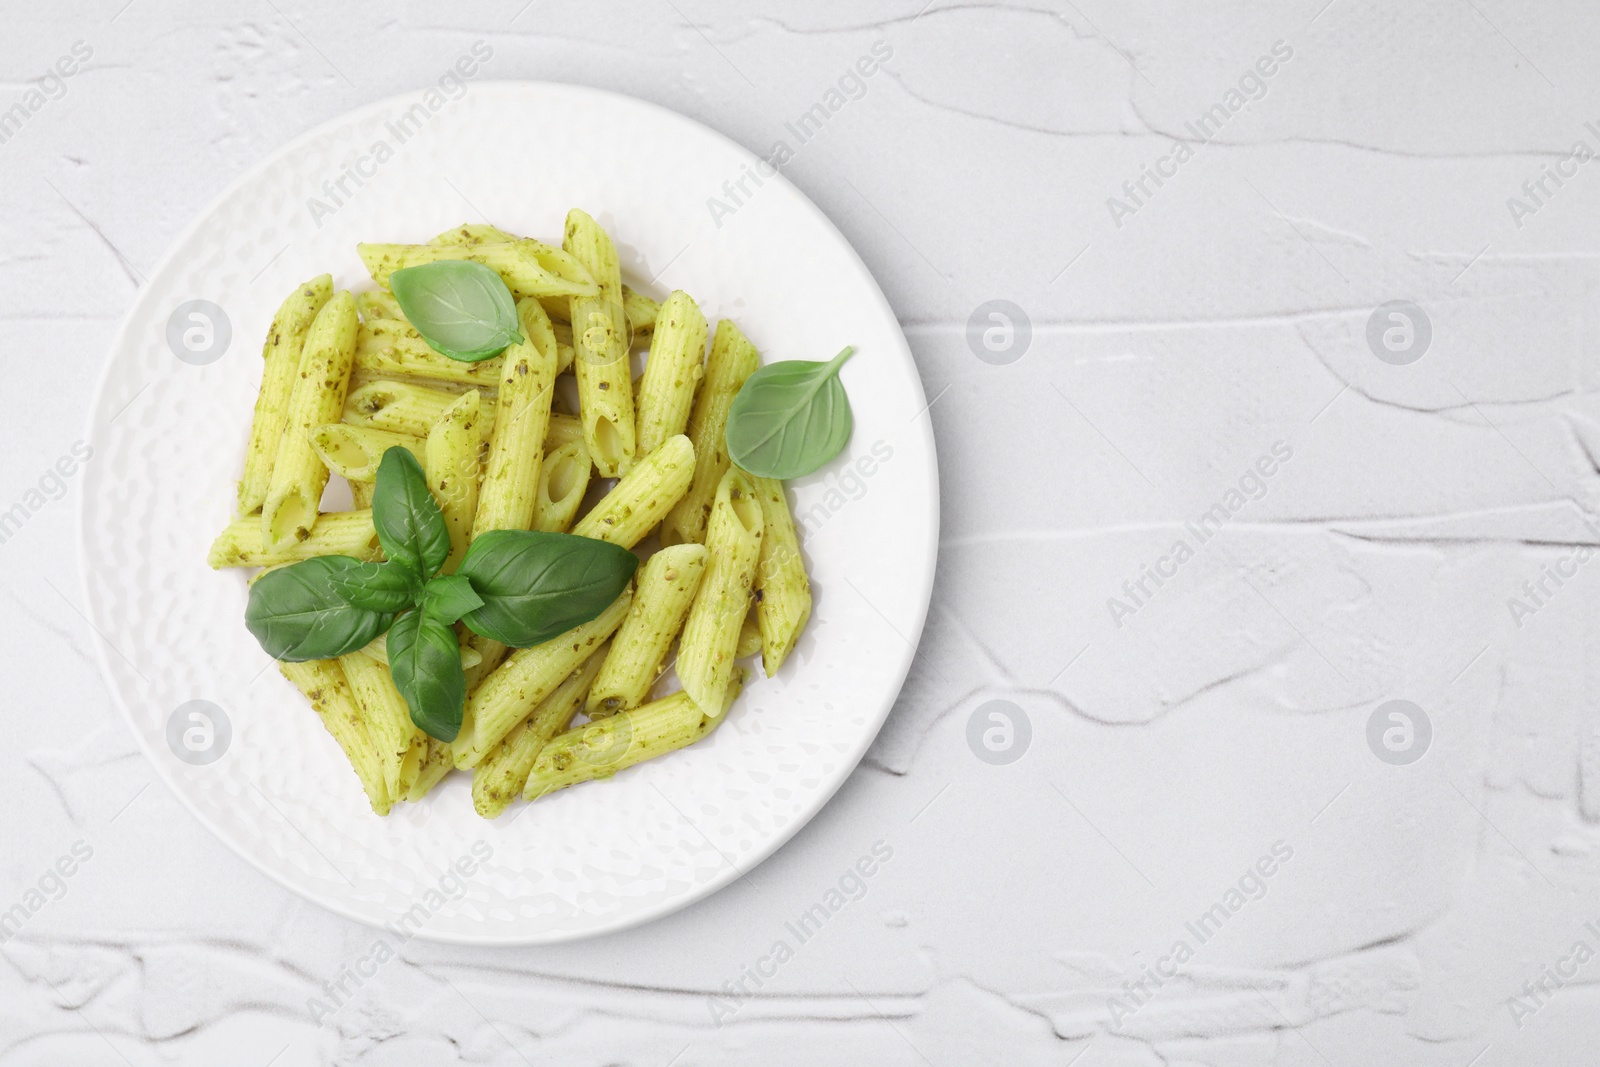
448,597
425,662
410,527
297,612
536,585
789,418
387,587
462,309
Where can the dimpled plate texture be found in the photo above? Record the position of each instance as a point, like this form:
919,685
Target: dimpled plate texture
169,439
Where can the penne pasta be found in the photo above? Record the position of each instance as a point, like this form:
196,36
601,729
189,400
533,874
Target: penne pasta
411,765
733,359
334,533
564,429
666,586
280,358
324,685
677,360
600,344
563,331
508,496
563,481
433,763
374,304
529,268
384,713
354,452
713,719
516,447
711,633
472,234
641,312
451,461
360,496
783,603
298,475
403,407
486,654
498,779
601,749
560,310
643,497
749,635
386,349
513,689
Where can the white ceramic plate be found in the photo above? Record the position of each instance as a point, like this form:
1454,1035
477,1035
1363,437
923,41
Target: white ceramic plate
169,437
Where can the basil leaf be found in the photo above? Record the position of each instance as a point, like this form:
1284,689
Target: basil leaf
297,613
462,309
789,418
448,597
536,586
425,662
410,527
387,587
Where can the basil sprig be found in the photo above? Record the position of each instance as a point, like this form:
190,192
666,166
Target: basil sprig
425,661
410,527
789,418
517,587
297,614
537,585
462,309
450,596
390,587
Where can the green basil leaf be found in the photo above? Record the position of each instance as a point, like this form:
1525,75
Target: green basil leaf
410,527
425,661
448,597
789,418
462,309
536,586
387,587
297,613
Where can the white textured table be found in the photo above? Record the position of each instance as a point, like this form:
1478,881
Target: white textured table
1209,505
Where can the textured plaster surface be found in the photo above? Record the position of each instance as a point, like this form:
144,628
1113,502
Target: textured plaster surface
1429,914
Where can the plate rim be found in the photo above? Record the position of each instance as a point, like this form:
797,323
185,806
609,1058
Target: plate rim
725,874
